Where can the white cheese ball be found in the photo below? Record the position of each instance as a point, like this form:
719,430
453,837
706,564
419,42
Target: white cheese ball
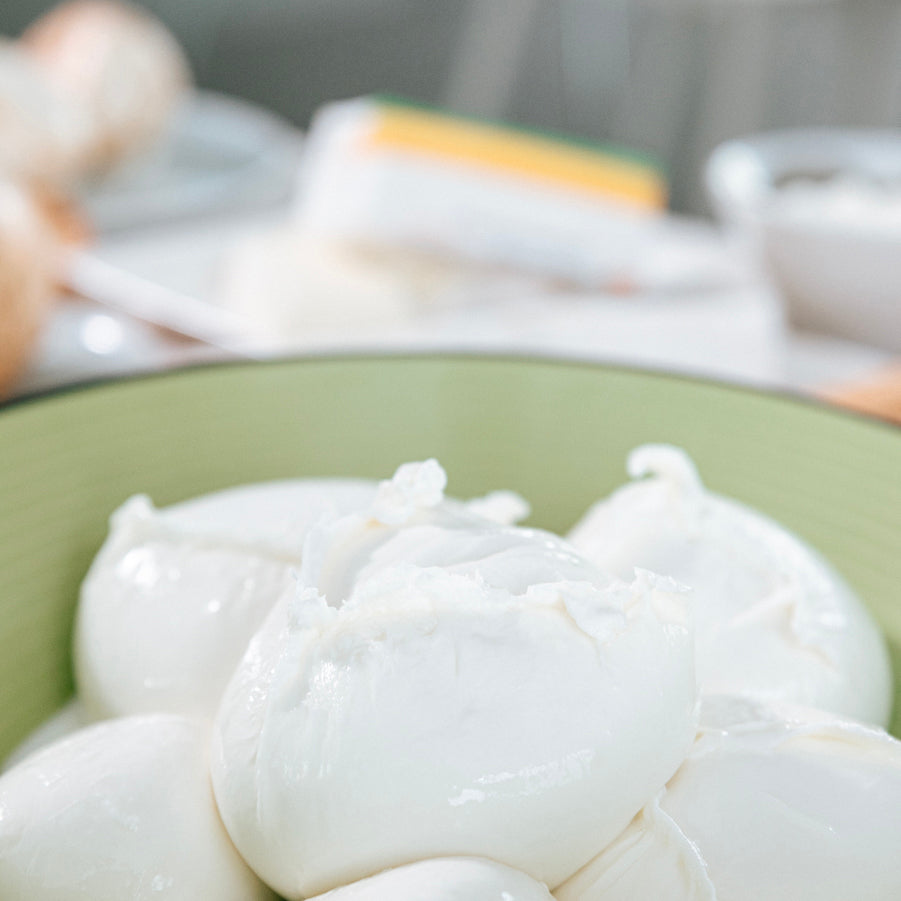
175,595
445,685
782,804
445,879
120,810
773,618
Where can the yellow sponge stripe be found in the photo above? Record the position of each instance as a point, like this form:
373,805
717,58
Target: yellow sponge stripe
526,155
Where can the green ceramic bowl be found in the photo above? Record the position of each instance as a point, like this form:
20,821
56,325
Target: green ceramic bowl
556,432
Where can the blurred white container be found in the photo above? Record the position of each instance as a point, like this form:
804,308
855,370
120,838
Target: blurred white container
823,208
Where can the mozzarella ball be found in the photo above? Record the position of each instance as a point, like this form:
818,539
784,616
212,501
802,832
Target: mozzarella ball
773,618
174,596
116,64
445,879
120,810
785,804
444,685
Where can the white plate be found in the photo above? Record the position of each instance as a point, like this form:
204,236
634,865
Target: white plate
222,154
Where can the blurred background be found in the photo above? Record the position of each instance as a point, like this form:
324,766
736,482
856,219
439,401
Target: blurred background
669,80
673,77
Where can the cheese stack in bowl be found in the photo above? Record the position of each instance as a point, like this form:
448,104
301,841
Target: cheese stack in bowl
352,690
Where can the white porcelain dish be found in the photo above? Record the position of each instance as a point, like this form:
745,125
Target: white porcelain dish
222,155
835,256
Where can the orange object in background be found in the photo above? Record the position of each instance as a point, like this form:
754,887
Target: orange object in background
29,249
879,395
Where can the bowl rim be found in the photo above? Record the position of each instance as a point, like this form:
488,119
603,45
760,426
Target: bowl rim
774,392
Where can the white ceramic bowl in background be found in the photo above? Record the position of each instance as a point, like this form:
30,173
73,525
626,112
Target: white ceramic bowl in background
839,274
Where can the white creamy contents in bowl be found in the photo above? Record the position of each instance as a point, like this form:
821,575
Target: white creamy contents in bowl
773,619
175,595
444,879
440,706
846,202
120,811
782,804
444,685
